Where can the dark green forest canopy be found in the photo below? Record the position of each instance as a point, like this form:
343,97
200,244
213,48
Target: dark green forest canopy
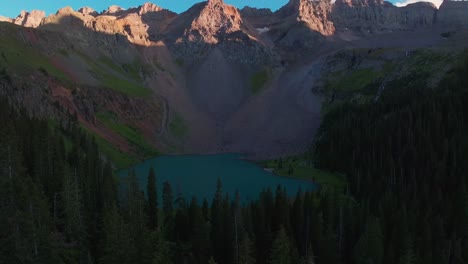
406,200
405,158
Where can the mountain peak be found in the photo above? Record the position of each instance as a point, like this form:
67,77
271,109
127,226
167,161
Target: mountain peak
148,7
5,19
212,21
65,11
88,11
29,19
214,2
313,13
114,9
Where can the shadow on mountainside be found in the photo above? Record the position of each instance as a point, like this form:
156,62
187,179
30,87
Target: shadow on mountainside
158,81
66,71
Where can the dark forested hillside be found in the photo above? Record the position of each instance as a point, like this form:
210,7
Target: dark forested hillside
406,160
406,200
54,190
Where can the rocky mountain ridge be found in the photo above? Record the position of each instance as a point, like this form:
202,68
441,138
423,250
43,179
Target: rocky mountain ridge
212,79
214,18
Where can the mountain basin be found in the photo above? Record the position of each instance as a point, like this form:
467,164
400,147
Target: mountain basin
197,175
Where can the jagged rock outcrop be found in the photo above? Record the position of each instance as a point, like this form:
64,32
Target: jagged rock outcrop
147,8
420,14
453,13
214,21
140,25
374,16
114,10
69,22
315,14
87,11
365,16
30,19
191,34
5,19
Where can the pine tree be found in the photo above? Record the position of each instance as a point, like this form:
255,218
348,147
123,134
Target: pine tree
75,228
118,245
408,256
168,211
108,188
217,230
281,212
136,217
212,261
309,258
281,249
151,191
369,248
246,251
162,255
199,233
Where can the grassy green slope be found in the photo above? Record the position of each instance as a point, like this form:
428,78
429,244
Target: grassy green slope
130,133
17,57
114,77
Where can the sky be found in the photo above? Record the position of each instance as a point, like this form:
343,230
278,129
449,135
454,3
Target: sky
11,8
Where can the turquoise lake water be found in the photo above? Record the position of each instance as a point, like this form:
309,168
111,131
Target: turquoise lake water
196,175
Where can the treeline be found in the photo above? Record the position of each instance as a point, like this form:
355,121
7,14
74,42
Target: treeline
406,158
53,191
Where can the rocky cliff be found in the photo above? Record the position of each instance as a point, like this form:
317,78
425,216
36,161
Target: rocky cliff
29,19
453,13
212,20
315,14
192,34
374,16
5,19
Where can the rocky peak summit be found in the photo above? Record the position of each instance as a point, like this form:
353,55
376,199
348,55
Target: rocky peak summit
65,11
214,2
147,8
114,9
29,19
208,22
88,11
5,19
315,14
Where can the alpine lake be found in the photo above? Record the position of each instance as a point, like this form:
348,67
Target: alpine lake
197,176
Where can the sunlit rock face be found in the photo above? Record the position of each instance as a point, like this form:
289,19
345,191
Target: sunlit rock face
214,21
192,34
314,14
87,11
5,19
30,19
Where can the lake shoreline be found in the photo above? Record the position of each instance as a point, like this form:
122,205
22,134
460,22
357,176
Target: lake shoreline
197,175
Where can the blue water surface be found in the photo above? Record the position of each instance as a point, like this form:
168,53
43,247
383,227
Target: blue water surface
196,176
